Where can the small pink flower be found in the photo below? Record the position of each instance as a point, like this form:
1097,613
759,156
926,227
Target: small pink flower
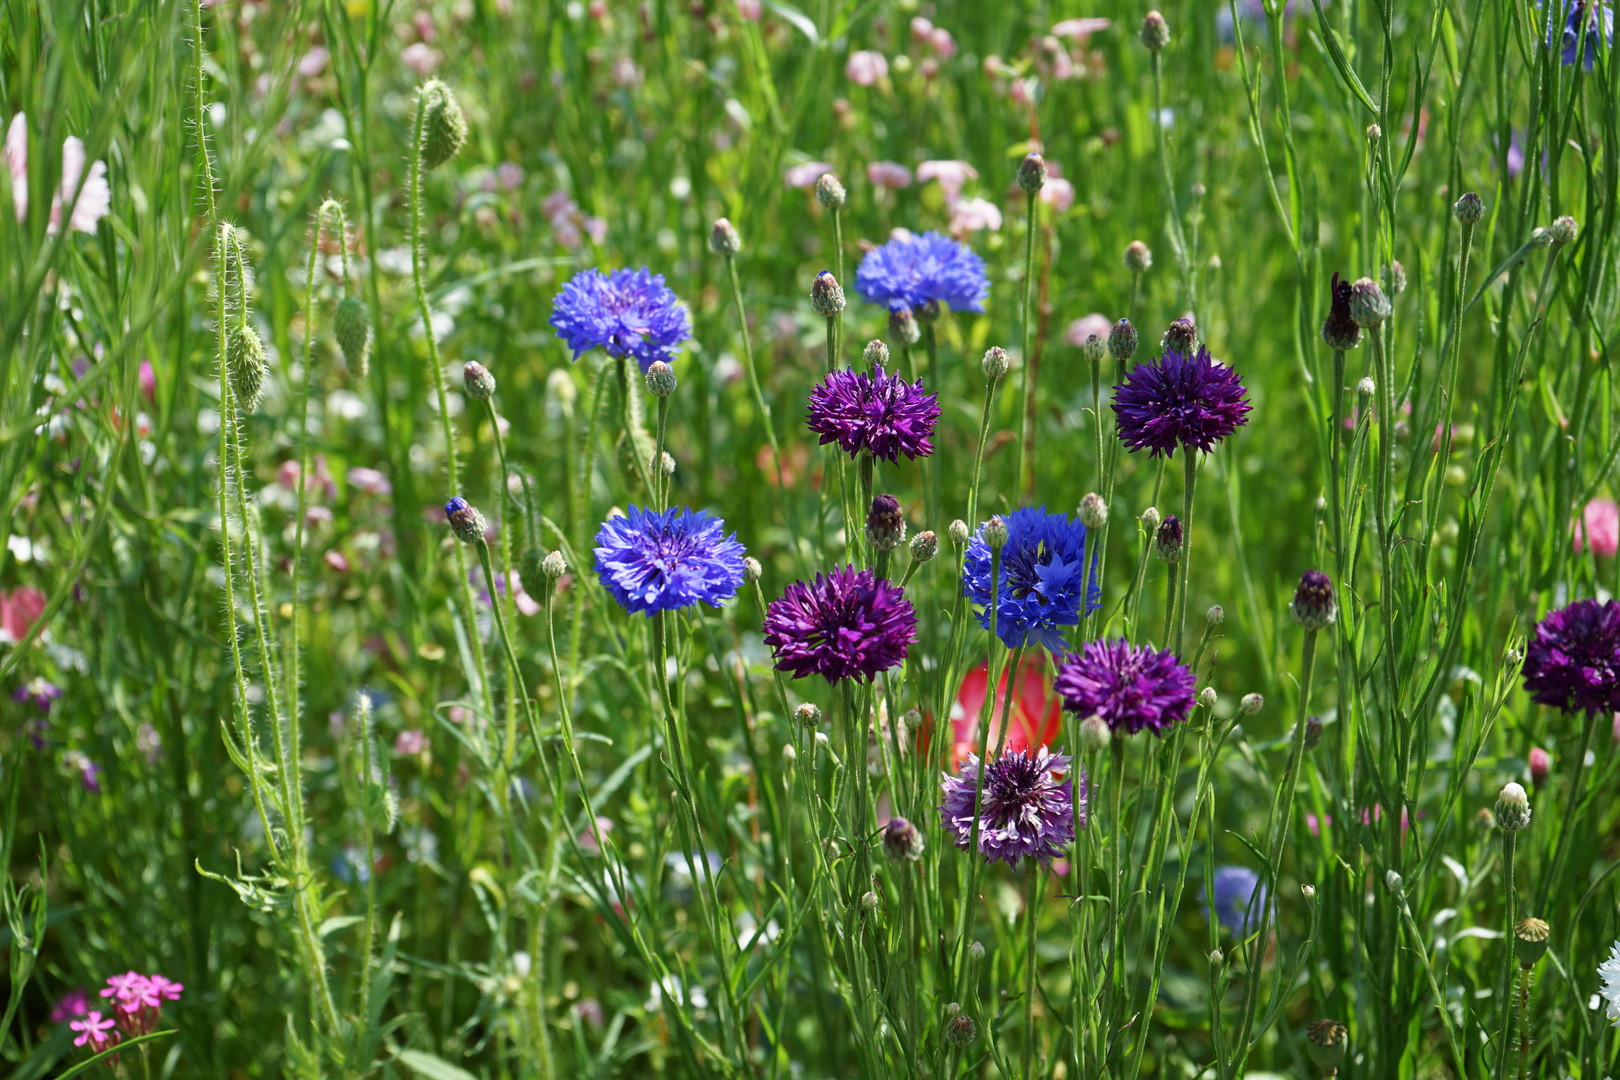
314,62
952,176
750,9
19,610
165,987
865,68
972,215
1084,327
73,1003
370,481
509,174
94,1030
942,43
1540,766
1615,729
336,561
421,58
148,381
626,72
806,175
1602,520
92,198
1315,824
17,163
410,742
317,516
1079,29
587,839
888,174
422,23
921,28
1058,194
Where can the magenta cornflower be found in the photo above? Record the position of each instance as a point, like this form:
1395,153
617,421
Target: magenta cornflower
848,624
879,413
95,1030
1189,401
1573,659
1131,687
1026,811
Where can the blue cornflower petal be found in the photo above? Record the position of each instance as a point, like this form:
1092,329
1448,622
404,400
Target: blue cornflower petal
909,271
1044,586
664,561
623,312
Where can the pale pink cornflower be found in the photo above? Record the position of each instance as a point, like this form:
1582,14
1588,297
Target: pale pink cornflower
410,742
942,43
972,215
1602,521
921,28
93,1029
421,58
865,68
1079,29
888,174
1058,193
750,9
806,175
952,176
17,163
1085,326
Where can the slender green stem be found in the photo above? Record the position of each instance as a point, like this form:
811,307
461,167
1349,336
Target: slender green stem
1032,902
978,455
1029,377
1504,993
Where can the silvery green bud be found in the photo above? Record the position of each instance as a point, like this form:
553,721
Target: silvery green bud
1366,387
245,363
1094,349
1563,230
661,381
751,570
903,327
995,363
1122,341
1469,209
995,533
1374,133
958,532
444,127
1207,697
1095,734
1393,882
724,238
976,951
1155,32
554,566
1250,704
351,325
465,521
830,191
1216,957
789,754
1032,173
1151,519
666,463
869,900
479,382
1541,238
875,354
924,546
1308,891
1513,808
1093,510
808,715
826,295
1216,615
1138,257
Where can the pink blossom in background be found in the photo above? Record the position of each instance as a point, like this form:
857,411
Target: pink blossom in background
422,23
336,561
626,72
1540,766
1615,729
587,838
888,174
317,516
509,174
148,381
972,215
928,68
410,742
1085,326
420,58
750,9
952,176
93,1029
19,610
1315,824
369,481
942,43
73,1003
1602,521
1022,91
1058,194
17,163
921,28
806,175
149,743
865,68
92,197
1078,29
314,62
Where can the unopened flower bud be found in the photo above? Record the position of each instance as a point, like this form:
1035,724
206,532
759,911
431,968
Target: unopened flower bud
1530,941
751,570
869,901
1540,766
1394,278
902,842
1216,957
245,364
1512,658
351,325
1541,238
531,574
903,327
479,383
1308,891
822,741
924,546
1215,615
1366,387
1207,697
876,353
1250,704
465,520
1167,542
1151,519
1468,209
1094,349
1155,32
789,754
444,126
830,191
1314,606
1513,808
960,1030
885,524
1313,732
1368,304
995,363
1093,510
1181,336
1374,133
724,238
661,381
1138,257
666,463
1563,230
976,951
808,715
1032,173
1393,882
826,295
928,311
554,566
994,532
1122,341
1095,734
958,532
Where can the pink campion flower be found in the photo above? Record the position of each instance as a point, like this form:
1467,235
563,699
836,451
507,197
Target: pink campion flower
336,560
972,215
1602,524
123,987
314,62
166,988
370,481
1084,327
1058,193
19,610
888,174
93,1029
921,28
90,192
864,68
942,43
73,1003
17,163
806,175
421,58
1540,766
1078,29
952,177
751,10
410,742
148,381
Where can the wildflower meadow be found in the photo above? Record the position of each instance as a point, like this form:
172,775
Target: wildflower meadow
798,539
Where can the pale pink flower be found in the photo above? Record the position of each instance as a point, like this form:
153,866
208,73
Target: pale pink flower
148,381
972,215
92,198
166,988
942,43
94,1030
750,9
806,175
1079,29
1540,766
596,229
1058,194
626,72
17,162
952,176
370,481
921,28
929,68
336,560
509,174
410,742
421,58
149,743
888,174
557,205
314,62
865,68
1023,91
587,839
1085,326
19,610
1602,518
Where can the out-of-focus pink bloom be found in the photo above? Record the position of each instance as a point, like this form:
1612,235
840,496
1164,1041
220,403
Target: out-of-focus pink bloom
410,742
39,691
1084,327
336,560
370,481
19,610
166,987
921,28
972,215
1078,29
148,381
1036,716
1315,824
888,174
750,9
421,58
1540,766
316,516
952,176
928,68
1058,194
590,1011
1022,91
73,1003
1614,731
509,174
92,198
460,714
422,22
942,43
1602,519
125,987
587,839
314,62
806,175
626,72
865,68
17,163
94,1029
89,772
149,743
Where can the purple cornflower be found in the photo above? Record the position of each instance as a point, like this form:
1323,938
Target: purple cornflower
1193,401
1573,659
1581,20
848,624
1237,891
664,561
1044,583
623,312
911,270
1131,687
39,691
1025,811
879,413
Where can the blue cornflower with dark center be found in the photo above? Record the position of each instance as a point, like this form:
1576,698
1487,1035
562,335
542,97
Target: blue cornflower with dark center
1582,19
1192,401
1131,687
1044,582
1239,900
849,624
879,413
911,270
623,312
1025,811
1573,659
664,561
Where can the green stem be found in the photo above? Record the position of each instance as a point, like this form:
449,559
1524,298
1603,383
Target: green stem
1029,377
1504,993
1032,900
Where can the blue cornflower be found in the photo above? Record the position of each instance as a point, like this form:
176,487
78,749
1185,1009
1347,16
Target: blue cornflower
1044,583
1239,899
623,312
911,270
1581,19
663,561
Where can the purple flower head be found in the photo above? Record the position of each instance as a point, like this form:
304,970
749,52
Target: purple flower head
1025,811
89,771
1044,582
1582,18
1193,401
664,561
39,691
1131,687
848,624
623,312
1239,899
95,1030
880,413
73,1003
911,270
1573,659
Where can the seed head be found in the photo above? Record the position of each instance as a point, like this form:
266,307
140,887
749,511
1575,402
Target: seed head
724,238
465,521
479,382
1137,257
1093,510
1032,173
661,380
1155,32
1167,542
351,325
876,354
1530,941
1122,341
1326,1041
995,363
808,715
826,295
1513,808
1469,209
924,546
245,363
444,127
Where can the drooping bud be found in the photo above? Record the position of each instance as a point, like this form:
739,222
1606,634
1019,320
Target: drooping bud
995,533
480,384
1095,734
885,524
351,325
1155,32
1093,510
1137,257
830,191
995,363
751,570
902,841
1094,349
808,715
1250,704
1368,304
661,381
1181,336
1339,330
465,520
1314,606
1513,808
1563,230
444,127
1468,209
1167,542
903,327
875,353
1530,941
1313,732
826,295
958,532
924,546
789,754
724,238
1122,341
245,363
1032,173
1326,1041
